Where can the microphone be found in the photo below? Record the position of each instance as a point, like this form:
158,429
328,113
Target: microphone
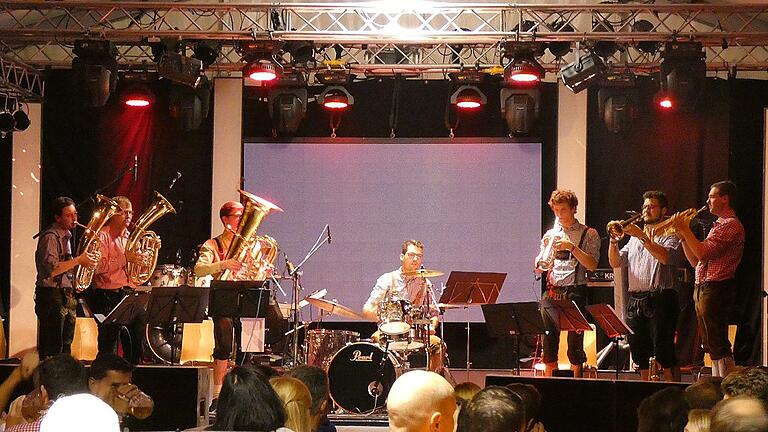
328,228
135,168
288,265
175,179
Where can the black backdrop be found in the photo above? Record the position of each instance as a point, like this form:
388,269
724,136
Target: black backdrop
681,155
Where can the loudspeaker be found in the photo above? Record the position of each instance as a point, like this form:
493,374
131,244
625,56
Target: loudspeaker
181,395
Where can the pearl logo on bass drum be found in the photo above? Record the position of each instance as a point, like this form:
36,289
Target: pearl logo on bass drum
357,356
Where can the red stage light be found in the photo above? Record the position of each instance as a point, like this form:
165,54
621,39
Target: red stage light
260,71
666,103
137,96
335,100
524,77
468,97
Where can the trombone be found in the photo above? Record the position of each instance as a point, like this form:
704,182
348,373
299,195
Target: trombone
615,229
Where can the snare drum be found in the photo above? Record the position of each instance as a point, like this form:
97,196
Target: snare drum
359,377
168,275
415,339
323,344
394,316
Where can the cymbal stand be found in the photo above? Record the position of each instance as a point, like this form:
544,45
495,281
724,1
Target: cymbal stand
295,274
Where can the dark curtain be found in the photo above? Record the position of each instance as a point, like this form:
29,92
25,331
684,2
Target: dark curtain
90,149
6,166
683,153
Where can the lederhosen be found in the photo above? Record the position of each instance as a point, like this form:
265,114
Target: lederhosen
56,309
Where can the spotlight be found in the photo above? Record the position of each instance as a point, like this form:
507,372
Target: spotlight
335,98
189,106
520,108
587,69
180,69
560,49
604,49
259,58
94,70
263,70
468,97
301,51
617,101
287,107
207,52
137,96
683,72
7,122
664,101
645,26
21,120
522,67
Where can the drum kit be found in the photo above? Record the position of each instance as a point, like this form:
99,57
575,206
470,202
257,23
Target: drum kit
361,371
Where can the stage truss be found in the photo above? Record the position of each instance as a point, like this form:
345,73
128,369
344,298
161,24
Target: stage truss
413,38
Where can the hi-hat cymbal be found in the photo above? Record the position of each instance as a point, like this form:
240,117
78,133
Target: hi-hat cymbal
423,273
333,307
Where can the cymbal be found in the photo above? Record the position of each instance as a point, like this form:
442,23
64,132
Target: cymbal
457,306
333,307
423,273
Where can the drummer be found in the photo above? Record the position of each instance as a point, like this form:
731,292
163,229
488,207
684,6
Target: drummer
416,290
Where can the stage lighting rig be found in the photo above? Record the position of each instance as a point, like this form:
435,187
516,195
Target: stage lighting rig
12,117
287,102
468,95
560,49
520,108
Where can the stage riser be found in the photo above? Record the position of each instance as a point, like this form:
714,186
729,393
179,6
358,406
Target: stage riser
587,404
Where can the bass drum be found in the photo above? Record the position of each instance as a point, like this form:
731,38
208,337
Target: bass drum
165,343
168,275
359,380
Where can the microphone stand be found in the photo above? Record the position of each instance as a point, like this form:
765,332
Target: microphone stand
295,274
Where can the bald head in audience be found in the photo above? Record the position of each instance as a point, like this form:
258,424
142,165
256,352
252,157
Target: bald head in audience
739,414
421,401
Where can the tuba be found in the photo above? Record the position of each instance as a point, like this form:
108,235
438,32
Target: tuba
89,242
256,209
146,243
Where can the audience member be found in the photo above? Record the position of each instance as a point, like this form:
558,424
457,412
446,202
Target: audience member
297,402
421,401
109,379
531,403
739,414
704,393
25,369
465,392
242,390
748,382
82,413
664,411
698,420
493,409
57,376
316,381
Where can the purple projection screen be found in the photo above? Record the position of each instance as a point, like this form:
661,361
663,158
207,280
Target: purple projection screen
476,205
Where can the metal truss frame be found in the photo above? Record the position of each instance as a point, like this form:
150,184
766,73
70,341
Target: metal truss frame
376,37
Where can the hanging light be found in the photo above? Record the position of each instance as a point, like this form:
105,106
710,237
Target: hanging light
523,68
261,70
137,96
258,56
468,97
335,98
665,101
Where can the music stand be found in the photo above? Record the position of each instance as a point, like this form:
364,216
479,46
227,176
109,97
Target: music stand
129,307
171,306
471,288
514,319
607,319
239,299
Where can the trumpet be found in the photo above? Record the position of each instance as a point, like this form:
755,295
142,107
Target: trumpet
546,257
615,229
667,227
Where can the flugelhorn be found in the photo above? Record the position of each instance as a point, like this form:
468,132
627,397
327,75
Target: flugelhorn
547,256
615,229
667,228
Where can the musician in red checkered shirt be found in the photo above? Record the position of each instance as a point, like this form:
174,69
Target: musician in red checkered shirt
715,259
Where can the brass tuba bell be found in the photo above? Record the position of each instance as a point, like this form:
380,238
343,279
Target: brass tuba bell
104,210
146,243
256,209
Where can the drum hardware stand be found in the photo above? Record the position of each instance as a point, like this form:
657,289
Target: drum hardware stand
295,274
376,388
